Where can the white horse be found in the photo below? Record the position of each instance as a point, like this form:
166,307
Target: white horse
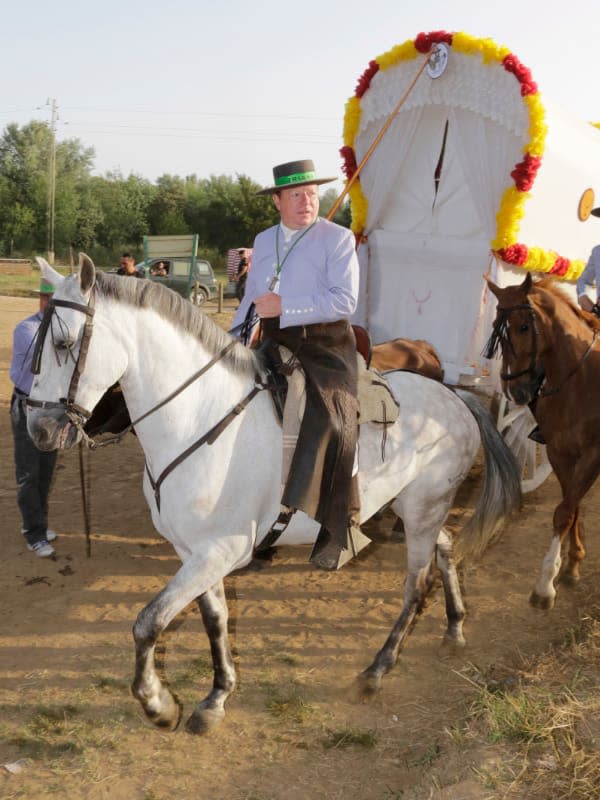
218,501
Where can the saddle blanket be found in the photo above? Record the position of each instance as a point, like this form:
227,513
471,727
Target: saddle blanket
376,403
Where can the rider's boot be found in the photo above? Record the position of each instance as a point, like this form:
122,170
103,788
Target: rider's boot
331,554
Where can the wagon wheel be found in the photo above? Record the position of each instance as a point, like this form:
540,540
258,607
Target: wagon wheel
515,425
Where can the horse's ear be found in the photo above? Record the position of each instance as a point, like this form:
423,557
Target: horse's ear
50,274
492,286
87,273
527,283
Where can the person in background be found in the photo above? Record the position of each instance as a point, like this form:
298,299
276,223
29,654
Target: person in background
127,266
590,275
159,269
304,287
33,468
241,276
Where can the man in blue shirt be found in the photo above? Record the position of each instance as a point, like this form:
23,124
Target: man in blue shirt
33,468
304,287
590,275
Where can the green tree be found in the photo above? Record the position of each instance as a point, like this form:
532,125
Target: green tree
342,215
24,169
123,211
226,212
24,182
166,213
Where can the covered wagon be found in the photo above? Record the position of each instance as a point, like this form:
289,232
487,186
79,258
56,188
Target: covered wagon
463,169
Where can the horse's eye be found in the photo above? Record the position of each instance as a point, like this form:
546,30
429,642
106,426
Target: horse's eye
523,327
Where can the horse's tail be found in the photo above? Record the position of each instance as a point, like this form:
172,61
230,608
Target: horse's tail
500,494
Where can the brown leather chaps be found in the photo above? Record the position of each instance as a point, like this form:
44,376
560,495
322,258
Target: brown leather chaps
320,480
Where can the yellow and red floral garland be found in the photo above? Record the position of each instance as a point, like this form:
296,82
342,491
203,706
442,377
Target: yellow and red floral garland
505,244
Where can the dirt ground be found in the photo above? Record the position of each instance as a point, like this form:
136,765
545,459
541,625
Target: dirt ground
294,729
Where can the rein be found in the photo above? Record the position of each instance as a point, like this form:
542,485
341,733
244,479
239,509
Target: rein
208,438
549,392
93,445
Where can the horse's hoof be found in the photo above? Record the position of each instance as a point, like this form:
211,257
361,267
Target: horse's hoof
537,601
453,644
569,580
162,709
204,719
169,715
367,685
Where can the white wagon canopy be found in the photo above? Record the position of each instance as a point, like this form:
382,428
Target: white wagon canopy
475,173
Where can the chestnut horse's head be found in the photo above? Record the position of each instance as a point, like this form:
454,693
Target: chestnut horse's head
521,340
545,338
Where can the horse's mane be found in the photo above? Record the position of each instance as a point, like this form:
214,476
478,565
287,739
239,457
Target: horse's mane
549,285
180,313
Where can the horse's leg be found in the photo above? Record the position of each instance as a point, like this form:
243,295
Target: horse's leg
423,520
210,711
190,582
544,593
158,703
575,483
455,609
416,587
570,575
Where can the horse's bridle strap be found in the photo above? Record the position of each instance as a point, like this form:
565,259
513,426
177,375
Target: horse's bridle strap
539,375
89,311
208,438
69,402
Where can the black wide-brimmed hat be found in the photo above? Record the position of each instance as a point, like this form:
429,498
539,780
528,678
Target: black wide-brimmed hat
294,173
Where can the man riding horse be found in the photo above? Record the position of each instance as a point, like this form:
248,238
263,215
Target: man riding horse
304,287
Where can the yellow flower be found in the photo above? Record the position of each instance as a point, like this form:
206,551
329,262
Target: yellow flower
512,204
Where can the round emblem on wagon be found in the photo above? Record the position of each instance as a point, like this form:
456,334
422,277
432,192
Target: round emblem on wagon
438,60
586,203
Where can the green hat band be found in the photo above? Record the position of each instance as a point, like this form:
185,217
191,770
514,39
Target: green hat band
298,177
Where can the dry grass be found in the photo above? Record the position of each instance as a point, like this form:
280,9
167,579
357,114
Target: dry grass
545,718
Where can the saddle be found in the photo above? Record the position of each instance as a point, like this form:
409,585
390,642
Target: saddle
376,401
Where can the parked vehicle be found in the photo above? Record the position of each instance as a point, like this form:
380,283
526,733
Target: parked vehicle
197,284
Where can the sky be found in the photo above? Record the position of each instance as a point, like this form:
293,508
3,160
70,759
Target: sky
233,87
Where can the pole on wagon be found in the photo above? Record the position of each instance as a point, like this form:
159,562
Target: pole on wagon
335,207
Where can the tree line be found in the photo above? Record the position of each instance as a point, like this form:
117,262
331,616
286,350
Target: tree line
105,216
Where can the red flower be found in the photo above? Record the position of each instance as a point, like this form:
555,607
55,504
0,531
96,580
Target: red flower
512,64
365,79
514,254
525,171
349,157
424,41
560,266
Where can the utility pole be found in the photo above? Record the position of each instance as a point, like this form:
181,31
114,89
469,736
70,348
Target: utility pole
51,180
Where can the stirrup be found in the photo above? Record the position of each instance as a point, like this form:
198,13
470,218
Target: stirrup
327,553
537,436
277,528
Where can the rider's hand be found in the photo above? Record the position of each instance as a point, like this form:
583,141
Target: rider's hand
268,305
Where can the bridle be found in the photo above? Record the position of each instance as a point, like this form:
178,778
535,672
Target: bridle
78,415
501,337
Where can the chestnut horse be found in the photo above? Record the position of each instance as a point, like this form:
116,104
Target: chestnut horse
415,355
550,356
